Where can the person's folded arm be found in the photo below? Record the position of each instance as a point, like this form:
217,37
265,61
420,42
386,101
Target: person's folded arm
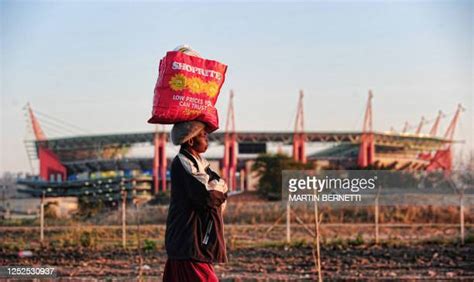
200,197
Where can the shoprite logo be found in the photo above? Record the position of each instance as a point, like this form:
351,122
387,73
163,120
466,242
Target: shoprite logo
196,70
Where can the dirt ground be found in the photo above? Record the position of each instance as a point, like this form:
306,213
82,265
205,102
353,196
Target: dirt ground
423,245
432,261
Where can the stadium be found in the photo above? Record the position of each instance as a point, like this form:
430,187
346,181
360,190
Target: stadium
100,167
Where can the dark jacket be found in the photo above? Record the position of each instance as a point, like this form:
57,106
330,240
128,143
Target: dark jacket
194,227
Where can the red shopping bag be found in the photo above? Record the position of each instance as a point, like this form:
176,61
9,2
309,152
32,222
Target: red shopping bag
187,89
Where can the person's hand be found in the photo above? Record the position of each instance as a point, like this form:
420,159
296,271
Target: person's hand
212,174
223,206
218,185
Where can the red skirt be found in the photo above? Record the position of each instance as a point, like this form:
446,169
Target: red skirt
188,270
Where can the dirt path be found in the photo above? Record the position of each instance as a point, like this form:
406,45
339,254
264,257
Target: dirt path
276,263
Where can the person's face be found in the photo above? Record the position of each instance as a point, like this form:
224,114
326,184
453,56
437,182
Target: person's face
200,142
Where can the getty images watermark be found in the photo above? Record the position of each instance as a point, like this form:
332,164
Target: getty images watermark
362,187
345,189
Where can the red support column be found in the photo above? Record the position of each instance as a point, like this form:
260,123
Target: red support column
50,165
420,125
163,162
299,138
225,160
434,128
230,160
48,161
299,147
367,146
156,161
39,135
427,156
366,150
159,162
296,144
229,166
443,158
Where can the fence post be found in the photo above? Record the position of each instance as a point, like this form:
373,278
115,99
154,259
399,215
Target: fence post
140,257
42,217
377,215
288,223
461,215
377,219
124,217
317,221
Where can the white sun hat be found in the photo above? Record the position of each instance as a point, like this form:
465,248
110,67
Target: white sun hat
186,49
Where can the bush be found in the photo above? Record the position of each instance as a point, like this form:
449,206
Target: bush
149,245
89,207
51,210
359,240
87,239
269,169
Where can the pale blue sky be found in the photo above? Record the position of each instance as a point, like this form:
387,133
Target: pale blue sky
94,63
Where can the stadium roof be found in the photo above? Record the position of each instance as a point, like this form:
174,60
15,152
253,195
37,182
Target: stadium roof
94,146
